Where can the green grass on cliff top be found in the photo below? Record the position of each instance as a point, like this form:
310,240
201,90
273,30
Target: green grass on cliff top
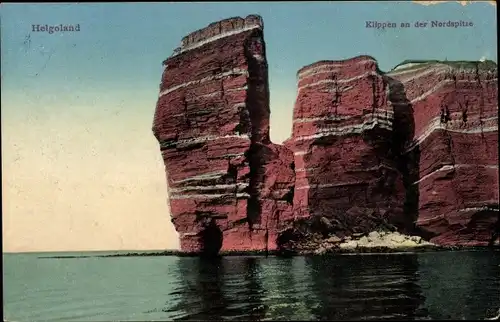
459,64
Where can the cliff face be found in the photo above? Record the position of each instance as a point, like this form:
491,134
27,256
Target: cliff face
345,165
367,150
212,122
453,155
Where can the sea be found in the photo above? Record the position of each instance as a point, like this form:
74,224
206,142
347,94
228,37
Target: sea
459,285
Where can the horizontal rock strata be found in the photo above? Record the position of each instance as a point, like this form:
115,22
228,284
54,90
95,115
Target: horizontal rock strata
414,150
345,166
454,164
212,122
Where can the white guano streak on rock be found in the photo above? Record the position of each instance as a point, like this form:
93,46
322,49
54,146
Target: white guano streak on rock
243,88
210,94
228,90
184,114
331,185
327,68
456,166
402,67
305,169
490,118
339,81
375,168
214,38
431,91
440,85
208,196
337,90
214,187
259,57
420,221
205,139
381,120
420,72
437,71
233,72
443,216
358,128
378,112
479,209
201,177
186,235
435,125
229,155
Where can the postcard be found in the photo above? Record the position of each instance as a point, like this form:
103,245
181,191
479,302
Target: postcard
250,160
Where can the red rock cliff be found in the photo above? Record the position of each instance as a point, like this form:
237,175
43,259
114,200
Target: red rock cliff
367,149
212,122
345,165
452,152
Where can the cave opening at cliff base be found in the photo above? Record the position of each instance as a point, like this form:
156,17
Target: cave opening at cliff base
211,239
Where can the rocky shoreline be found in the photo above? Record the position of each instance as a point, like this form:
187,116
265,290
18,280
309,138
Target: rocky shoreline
376,242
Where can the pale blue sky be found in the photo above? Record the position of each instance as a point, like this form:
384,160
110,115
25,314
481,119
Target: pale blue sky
77,108
121,46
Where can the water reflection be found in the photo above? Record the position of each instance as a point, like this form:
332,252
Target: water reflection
244,284
381,287
287,284
318,288
461,285
367,287
214,289
200,290
437,285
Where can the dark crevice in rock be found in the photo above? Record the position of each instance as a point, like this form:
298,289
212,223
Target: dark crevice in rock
451,175
449,147
289,196
257,99
245,124
481,108
337,97
375,96
232,174
239,222
495,236
407,163
253,203
477,74
186,113
168,144
257,105
285,237
211,238
189,146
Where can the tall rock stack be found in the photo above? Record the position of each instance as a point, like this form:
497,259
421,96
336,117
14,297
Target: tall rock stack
413,148
453,154
345,166
212,123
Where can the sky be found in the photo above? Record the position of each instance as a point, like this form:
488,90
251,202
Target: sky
81,169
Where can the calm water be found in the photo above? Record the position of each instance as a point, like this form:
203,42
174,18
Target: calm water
441,285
